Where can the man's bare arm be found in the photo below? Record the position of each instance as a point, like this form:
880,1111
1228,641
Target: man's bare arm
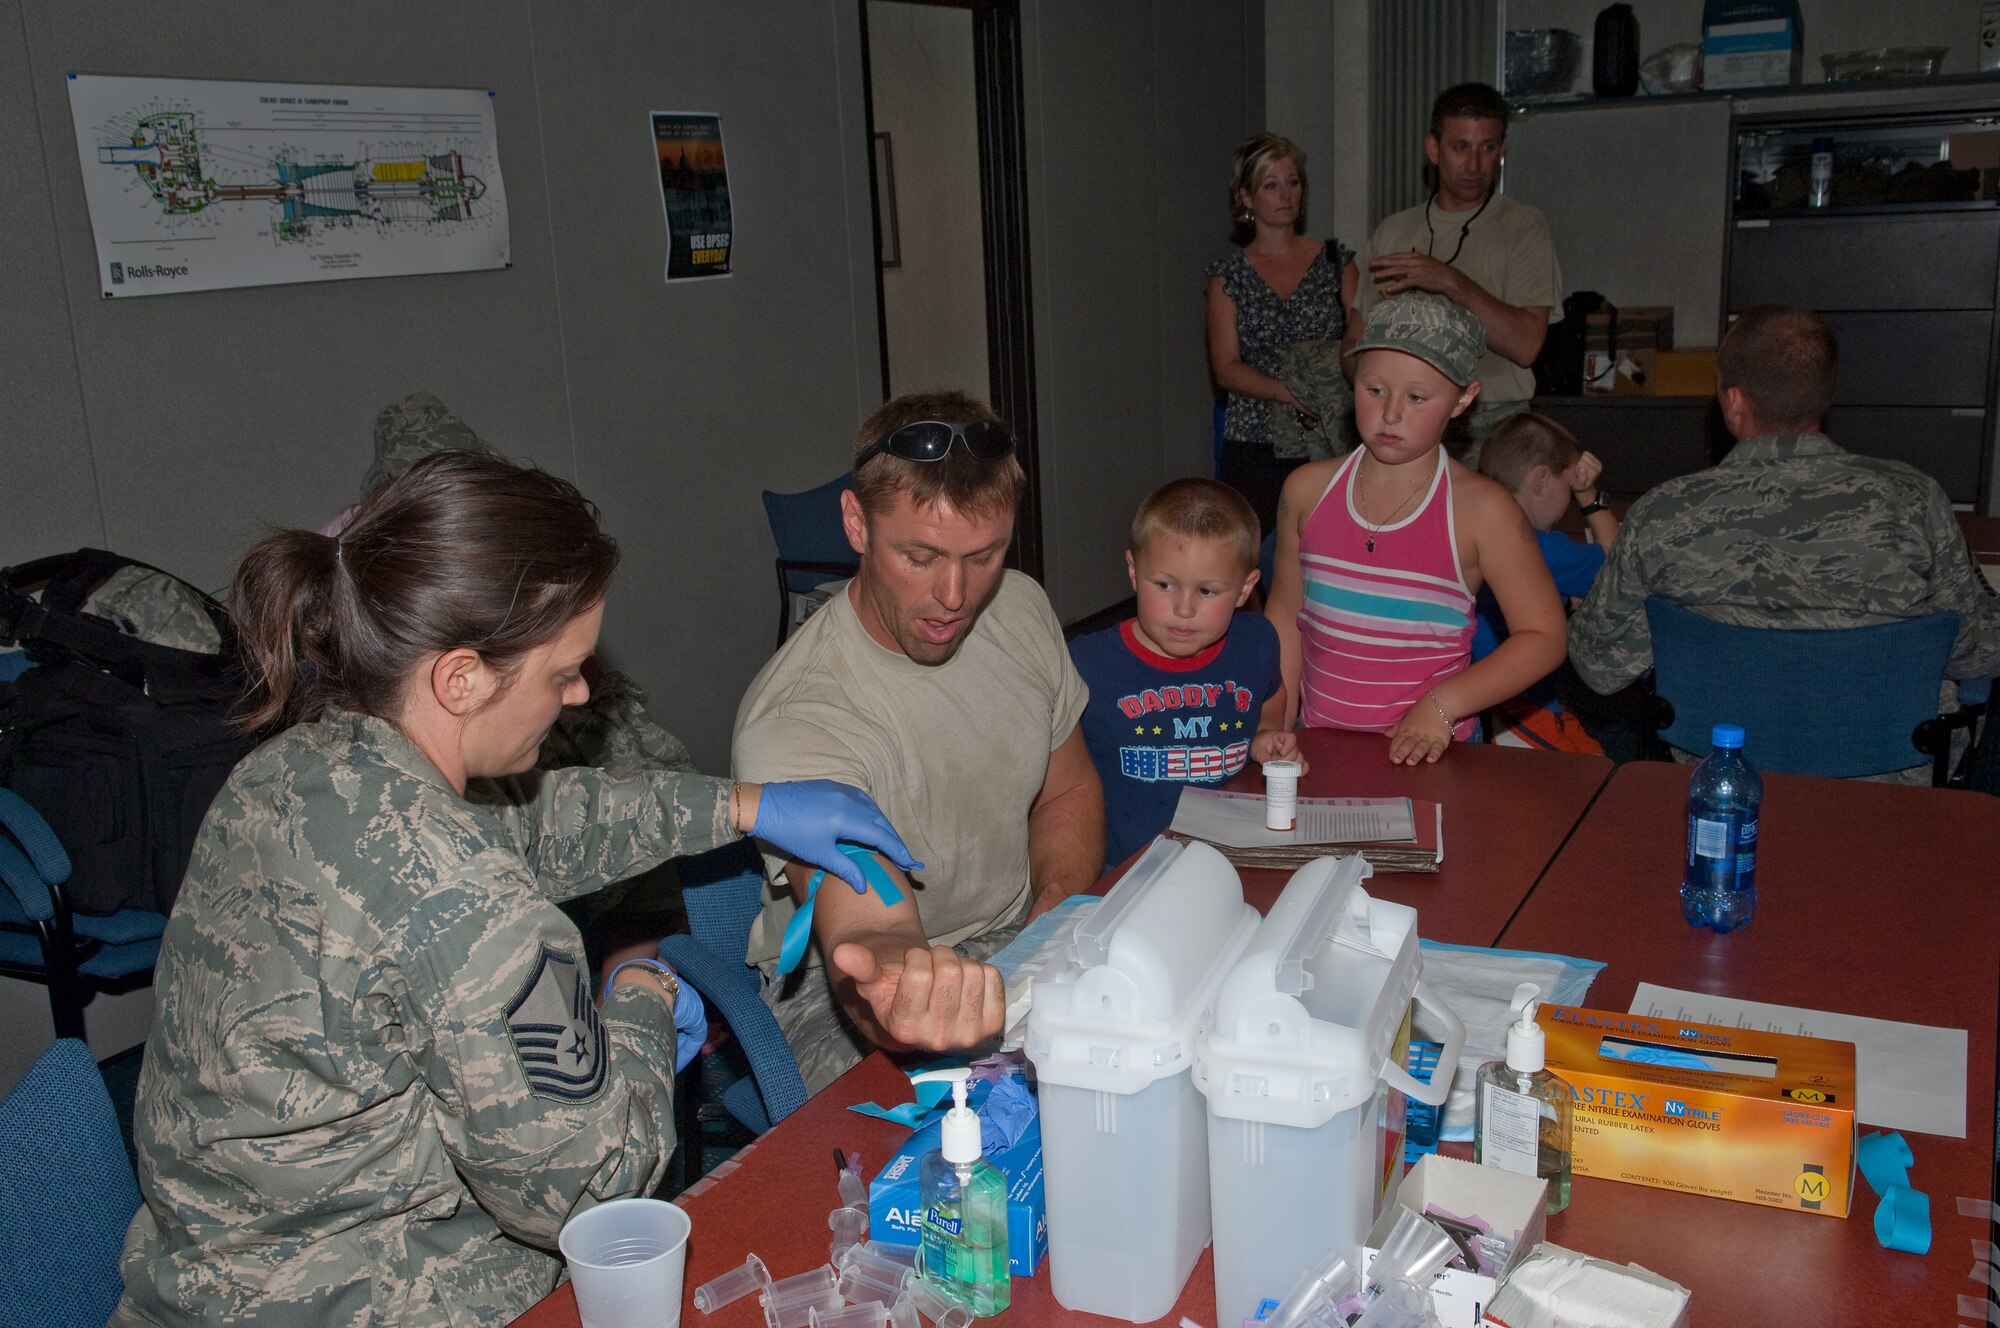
1513,331
900,990
1066,826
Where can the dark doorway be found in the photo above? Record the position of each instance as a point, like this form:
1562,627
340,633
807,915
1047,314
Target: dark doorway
952,290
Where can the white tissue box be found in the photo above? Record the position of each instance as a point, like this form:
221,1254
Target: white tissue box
1503,1201
1631,1270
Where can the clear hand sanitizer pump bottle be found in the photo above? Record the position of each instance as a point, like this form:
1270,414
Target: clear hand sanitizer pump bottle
1523,1121
963,1225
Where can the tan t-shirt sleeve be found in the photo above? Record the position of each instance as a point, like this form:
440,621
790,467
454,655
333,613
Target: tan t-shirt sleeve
775,748
1367,294
1533,276
1071,693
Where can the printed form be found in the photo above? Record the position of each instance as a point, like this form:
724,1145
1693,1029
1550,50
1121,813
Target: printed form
1237,819
1907,1076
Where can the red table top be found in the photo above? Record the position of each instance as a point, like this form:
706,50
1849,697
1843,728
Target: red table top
1507,811
1982,534
1872,900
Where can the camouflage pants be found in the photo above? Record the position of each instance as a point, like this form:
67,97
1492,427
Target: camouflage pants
824,1039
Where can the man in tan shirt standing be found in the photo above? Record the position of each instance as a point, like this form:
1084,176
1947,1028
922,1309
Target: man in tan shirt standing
1476,247
938,681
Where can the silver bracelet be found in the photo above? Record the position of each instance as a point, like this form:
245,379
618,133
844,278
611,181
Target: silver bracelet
1438,705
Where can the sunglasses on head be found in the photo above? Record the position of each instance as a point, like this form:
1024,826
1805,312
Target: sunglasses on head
931,440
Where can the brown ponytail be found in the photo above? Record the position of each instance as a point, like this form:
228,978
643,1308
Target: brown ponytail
464,550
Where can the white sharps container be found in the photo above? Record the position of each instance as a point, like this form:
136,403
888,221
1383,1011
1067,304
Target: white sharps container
1112,1034
1296,1066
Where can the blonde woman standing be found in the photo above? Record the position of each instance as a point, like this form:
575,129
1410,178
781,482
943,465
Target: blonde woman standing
1278,288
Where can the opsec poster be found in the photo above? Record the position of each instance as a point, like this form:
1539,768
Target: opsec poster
694,188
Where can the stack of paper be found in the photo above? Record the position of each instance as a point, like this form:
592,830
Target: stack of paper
1395,834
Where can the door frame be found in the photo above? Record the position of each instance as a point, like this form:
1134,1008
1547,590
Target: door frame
1003,206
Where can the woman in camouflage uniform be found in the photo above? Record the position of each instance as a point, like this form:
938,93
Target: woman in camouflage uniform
378,1084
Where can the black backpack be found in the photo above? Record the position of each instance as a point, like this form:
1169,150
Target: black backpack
1559,366
119,743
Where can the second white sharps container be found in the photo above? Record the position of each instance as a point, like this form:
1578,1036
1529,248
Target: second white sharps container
1296,1067
1112,1034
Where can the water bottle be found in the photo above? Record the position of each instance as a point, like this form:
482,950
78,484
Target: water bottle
1719,888
1614,57
1821,192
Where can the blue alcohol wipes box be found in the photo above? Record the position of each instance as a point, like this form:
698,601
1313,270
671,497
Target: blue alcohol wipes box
894,1194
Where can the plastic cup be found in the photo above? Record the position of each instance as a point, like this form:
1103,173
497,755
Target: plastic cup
1402,1304
732,1286
1281,794
1416,1249
903,1314
1318,1287
626,1259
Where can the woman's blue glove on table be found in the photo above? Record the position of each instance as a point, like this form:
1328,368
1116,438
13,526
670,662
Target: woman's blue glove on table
807,818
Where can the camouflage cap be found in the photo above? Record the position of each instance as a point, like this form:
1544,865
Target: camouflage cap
407,431
1437,331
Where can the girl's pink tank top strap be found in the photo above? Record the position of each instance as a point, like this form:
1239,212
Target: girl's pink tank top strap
1379,626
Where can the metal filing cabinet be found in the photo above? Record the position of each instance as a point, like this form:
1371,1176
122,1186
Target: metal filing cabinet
1903,258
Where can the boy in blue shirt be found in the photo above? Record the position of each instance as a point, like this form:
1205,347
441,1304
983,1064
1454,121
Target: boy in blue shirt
1188,690
1543,466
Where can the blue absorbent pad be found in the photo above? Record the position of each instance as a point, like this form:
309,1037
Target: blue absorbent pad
1478,983
1571,987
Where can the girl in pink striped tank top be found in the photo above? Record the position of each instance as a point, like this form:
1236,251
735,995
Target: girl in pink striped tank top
1381,553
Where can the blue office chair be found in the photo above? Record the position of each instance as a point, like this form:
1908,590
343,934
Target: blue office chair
1842,702
66,1194
812,545
42,941
723,892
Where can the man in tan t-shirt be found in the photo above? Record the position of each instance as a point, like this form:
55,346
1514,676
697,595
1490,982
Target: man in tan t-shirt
937,681
1476,247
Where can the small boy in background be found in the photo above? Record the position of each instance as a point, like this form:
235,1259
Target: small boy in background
1188,691
1544,467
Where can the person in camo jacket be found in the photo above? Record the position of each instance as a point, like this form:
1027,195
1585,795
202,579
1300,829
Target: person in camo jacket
378,1084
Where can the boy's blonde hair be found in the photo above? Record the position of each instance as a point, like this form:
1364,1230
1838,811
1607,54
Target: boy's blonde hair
1198,509
1521,442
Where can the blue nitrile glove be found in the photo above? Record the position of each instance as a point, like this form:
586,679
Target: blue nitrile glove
690,1012
690,1026
806,818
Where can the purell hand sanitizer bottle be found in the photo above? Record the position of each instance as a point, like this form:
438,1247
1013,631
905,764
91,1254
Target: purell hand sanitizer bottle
963,1225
